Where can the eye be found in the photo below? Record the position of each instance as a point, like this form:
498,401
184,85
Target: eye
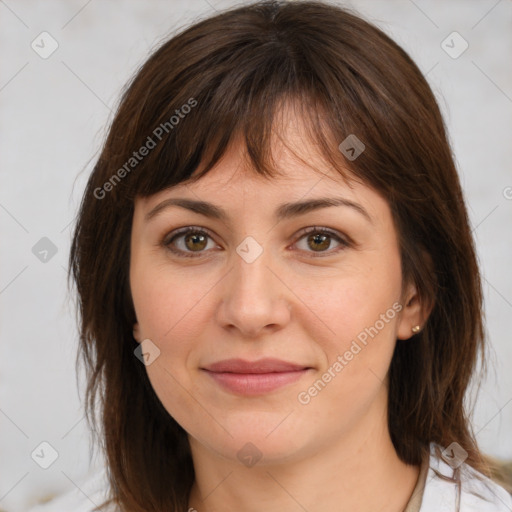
190,240
320,239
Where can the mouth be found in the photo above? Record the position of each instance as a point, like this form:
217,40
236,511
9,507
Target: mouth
255,378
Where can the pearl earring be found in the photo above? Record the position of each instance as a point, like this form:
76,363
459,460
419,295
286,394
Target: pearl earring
416,329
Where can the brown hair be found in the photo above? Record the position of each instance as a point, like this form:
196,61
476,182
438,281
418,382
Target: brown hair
233,71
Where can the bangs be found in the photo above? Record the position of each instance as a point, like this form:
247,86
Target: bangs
187,112
255,115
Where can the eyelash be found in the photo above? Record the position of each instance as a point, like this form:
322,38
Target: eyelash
168,240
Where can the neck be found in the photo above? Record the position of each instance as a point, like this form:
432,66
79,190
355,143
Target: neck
361,472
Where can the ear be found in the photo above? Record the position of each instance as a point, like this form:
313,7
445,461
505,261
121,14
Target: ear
136,332
415,313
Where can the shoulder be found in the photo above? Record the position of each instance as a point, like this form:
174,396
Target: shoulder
89,493
477,492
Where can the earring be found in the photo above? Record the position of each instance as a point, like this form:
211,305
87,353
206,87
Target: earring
416,329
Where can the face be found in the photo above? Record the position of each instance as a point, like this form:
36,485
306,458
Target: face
319,288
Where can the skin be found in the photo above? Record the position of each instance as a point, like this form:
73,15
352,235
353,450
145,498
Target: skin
298,301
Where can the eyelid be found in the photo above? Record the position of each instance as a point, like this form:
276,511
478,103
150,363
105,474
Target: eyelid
184,230
341,238
344,240
170,237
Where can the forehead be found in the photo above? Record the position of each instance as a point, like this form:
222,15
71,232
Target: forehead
231,191
234,185
301,172
300,169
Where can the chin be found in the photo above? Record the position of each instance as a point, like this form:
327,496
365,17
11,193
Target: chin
266,440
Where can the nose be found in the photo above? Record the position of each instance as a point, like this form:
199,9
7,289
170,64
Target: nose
255,298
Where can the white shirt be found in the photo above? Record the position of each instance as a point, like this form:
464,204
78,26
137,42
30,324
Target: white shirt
477,494
438,495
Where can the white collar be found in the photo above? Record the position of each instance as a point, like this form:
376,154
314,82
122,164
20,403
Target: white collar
438,495
478,493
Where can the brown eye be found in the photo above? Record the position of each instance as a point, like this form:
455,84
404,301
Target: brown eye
195,241
187,241
319,240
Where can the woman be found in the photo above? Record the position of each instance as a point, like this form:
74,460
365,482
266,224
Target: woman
279,296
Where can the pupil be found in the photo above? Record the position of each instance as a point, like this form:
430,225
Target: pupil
195,238
319,238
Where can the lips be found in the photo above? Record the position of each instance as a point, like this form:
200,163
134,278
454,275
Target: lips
254,377
266,365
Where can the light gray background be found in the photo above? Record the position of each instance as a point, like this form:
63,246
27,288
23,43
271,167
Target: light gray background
54,115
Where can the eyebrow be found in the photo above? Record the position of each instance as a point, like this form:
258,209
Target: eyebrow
284,211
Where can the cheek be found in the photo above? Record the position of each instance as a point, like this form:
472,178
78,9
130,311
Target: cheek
353,379
358,314
350,304
171,312
169,304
